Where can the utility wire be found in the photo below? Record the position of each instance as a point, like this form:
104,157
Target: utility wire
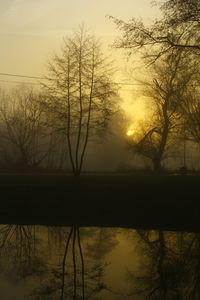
25,76
22,82
38,83
44,78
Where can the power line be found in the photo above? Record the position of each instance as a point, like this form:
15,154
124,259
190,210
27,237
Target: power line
25,76
27,82
123,83
44,78
22,82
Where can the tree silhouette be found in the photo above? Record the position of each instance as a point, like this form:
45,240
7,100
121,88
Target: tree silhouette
23,128
177,29
170,266
165,91
81,93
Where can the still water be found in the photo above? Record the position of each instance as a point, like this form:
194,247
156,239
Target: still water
52,263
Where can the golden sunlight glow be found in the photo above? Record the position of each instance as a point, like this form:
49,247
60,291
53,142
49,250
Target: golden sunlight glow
130,132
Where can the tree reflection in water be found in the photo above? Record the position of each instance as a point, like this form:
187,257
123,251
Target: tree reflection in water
18,250
170,268
73,232
60,265
70,263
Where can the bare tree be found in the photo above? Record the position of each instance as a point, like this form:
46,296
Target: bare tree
165,92
81,93
22,127
190,109
179,12
177,29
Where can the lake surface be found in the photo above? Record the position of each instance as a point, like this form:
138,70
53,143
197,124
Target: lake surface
39,262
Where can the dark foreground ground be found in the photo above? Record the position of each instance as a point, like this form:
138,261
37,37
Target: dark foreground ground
149,202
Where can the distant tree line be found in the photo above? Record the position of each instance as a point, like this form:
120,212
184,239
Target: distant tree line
25,139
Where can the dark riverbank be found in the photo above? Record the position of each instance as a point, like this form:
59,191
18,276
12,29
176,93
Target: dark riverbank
149,202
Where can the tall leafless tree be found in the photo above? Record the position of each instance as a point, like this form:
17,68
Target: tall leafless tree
81,93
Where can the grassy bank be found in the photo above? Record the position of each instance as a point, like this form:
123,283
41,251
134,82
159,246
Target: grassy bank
161,202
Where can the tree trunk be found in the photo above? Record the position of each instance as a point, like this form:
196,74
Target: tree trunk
157,167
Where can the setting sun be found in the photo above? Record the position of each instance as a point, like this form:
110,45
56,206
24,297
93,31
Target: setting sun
130,132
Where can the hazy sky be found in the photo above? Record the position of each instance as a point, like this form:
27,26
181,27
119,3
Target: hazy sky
30,30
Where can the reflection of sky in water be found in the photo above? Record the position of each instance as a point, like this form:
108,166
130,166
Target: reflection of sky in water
118,263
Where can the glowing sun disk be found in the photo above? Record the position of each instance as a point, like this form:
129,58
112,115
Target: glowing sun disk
130,132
